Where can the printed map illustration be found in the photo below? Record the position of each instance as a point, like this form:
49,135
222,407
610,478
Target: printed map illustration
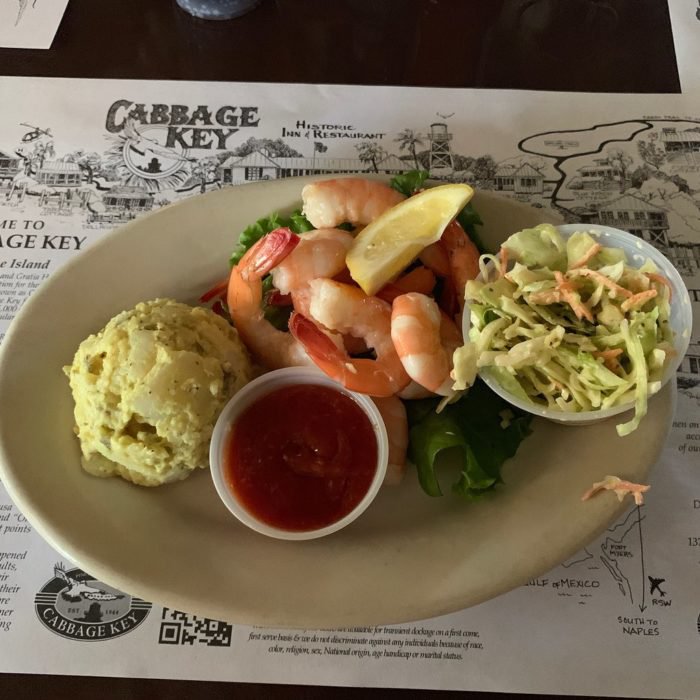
617,556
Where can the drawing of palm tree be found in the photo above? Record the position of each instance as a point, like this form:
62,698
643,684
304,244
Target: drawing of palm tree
371,152
650,152
620,159
89,163
42,151
205,170
408,140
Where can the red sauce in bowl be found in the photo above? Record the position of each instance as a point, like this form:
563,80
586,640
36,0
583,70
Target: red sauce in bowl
301,457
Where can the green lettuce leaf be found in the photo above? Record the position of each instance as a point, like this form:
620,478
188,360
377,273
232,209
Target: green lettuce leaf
469,219
299,223
409,183
474,431
278,316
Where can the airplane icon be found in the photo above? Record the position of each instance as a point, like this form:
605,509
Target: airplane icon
655,585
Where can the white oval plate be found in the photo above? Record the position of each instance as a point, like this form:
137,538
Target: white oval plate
408,557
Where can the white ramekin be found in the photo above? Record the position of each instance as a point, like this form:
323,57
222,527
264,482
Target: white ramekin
681,320
251,392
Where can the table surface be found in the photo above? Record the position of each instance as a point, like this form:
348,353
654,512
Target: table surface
577,45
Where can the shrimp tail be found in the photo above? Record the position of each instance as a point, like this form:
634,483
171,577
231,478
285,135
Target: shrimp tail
244,292
268,252
270,346
320,347
362,376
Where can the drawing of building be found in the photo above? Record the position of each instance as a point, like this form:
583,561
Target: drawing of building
260,166
690,364
441,160
392,165
636,215
292,167
124,198
601,175
649,222
682,142
254,166
520,180
684,256
10,166
58,173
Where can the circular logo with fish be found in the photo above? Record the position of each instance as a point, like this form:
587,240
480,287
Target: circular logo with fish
76,606
147,153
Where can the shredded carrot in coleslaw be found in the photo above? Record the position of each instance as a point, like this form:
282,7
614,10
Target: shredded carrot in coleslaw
590,253
547,296
610,358
660,279
620,487
602,279
638,300
503,260
572,298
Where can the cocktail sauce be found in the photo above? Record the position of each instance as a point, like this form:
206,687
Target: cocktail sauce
301,457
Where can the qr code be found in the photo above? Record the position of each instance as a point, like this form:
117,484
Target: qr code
180,628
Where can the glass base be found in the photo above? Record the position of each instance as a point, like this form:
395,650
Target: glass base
217,9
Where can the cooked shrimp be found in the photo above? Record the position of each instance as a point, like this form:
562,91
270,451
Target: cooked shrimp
301,301
455,258
434,257
425,340
420,279
319,254
463,256
348,310
393,414
273,348
329,203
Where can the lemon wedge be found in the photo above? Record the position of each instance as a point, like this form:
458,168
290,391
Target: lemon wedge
385,247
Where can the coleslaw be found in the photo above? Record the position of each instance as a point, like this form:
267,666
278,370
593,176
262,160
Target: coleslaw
570,325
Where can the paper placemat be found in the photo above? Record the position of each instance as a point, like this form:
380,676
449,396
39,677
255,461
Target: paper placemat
79,157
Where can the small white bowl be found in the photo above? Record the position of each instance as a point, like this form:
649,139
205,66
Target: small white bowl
249,394
681,319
